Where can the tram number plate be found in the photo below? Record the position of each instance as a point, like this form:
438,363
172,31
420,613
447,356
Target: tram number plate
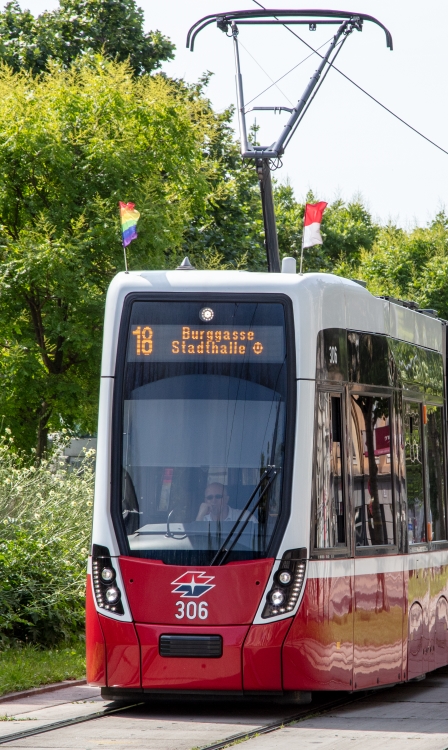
191,610
333,355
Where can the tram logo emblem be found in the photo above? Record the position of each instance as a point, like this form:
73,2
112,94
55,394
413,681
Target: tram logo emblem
193,584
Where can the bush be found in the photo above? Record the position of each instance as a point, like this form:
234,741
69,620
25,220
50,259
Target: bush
45,513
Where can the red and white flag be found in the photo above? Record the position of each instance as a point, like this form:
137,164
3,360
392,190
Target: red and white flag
311,224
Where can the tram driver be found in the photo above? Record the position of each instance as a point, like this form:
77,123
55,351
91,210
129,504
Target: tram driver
216,505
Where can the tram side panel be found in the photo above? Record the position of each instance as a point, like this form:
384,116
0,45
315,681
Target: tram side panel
440,618
426,567
427,622
318,649
398,601
379,607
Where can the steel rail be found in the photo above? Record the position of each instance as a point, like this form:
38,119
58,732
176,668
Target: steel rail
64,723
307,712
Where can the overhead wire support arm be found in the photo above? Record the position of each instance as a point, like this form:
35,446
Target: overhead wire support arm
264,156
249,151
269,109
229,21
277,16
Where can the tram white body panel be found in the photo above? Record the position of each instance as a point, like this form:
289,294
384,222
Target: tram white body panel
317,303
316,298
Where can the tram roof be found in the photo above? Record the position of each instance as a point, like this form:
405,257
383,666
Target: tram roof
319,301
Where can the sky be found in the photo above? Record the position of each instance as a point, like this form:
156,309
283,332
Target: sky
346,146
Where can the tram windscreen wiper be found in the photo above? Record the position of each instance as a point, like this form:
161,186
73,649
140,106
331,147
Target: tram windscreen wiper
221,556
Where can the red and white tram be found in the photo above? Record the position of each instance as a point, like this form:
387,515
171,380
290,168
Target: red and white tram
270,505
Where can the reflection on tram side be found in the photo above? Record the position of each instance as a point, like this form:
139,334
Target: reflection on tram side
372,470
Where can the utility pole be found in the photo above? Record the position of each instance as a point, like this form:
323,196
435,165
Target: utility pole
264,156
270,225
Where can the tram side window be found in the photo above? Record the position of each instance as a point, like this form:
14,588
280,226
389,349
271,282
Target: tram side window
372,470
329,490
414,473
436,476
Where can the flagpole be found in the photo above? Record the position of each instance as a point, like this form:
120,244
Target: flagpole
303,240
122,242
125,259
128,221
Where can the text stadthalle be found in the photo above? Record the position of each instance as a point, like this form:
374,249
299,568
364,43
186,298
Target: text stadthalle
214,341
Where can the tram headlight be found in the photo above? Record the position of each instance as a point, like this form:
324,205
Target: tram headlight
106,592
284,577
107,575
112,595
277,597
287,586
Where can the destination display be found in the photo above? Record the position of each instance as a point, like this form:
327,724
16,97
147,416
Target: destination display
183,343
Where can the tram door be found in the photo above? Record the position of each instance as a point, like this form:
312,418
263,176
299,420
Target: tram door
378,581
426,523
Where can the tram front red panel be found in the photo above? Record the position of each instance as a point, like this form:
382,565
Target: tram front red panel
171,594
159,672
95,645
262,655
123,653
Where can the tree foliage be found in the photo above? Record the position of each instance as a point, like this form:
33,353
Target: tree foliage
80,27
45,514
229,230
347,230
73,143
411,265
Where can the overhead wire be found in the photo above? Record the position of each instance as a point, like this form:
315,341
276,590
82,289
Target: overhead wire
397,117
338,49
287,72
305,110
274,83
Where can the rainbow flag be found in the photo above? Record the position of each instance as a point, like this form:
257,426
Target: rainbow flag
129,218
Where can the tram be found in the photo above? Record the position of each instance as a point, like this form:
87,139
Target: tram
270,510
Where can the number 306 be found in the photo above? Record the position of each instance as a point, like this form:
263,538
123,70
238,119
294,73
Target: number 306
192,610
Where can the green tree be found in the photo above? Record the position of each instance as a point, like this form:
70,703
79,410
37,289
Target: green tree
228,232
79,27
72,143
347,230
409,264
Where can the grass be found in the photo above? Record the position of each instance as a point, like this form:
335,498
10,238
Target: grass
28,667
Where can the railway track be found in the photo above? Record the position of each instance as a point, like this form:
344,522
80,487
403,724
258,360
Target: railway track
319,708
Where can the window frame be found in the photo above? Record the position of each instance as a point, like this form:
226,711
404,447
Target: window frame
343,551
116,437
377,549
442,543
413,398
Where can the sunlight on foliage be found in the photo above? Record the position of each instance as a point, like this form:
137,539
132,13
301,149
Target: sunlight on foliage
46,512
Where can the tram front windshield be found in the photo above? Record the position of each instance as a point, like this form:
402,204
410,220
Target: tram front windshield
203,416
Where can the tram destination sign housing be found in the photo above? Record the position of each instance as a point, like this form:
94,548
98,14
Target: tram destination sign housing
192,343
